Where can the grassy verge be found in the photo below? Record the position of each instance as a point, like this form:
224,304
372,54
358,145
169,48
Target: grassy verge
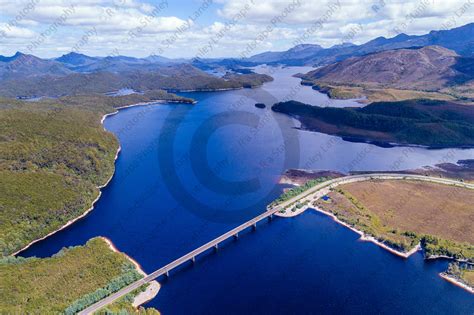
297,190
386,211
64,283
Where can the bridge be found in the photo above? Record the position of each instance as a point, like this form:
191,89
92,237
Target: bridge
234,233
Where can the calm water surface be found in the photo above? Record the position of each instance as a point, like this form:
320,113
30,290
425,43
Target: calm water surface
187,174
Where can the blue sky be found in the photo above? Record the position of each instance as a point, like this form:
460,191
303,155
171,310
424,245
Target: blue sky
212,28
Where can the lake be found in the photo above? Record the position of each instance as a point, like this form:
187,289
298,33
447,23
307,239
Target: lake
187,174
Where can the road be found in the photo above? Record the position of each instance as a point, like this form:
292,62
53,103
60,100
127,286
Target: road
308,194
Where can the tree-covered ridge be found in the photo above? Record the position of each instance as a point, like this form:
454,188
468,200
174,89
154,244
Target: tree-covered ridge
171,78
422,122
55,285
53,155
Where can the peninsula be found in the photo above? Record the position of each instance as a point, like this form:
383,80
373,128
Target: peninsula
431,123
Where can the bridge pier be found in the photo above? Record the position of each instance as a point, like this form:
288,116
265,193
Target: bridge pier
194,259
236,235
270,217
167,274
255,226
216,247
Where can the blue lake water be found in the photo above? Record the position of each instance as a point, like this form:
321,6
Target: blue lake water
187,174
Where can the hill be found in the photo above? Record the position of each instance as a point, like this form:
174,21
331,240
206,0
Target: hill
396,75
174,77
435,124
429,68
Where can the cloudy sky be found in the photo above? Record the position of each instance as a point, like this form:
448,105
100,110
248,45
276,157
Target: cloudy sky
212,28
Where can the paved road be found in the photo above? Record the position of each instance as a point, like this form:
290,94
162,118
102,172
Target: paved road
234,232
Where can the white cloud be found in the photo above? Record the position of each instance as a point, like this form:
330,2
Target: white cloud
8,31
138,28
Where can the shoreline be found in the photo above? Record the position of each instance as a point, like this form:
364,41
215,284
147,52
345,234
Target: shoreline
456,282
85,213
377,143
72,221
133,261
204,90
153,287
368,238
374,240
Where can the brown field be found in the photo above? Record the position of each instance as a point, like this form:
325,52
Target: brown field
377,94
468,277
422,207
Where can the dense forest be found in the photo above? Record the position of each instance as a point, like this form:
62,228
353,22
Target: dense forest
67,282
53,155
421,122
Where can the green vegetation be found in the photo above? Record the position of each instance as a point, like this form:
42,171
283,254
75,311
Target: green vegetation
298,190
124,306
462,272
423,122
53,155
248,80
128,276
68,281
434,246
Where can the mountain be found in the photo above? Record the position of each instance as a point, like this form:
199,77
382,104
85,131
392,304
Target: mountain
293,55
76,59
11,58
460,39
83,63
429,68
22,65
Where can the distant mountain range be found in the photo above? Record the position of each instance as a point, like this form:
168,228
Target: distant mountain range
22,65
411,68
460,39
